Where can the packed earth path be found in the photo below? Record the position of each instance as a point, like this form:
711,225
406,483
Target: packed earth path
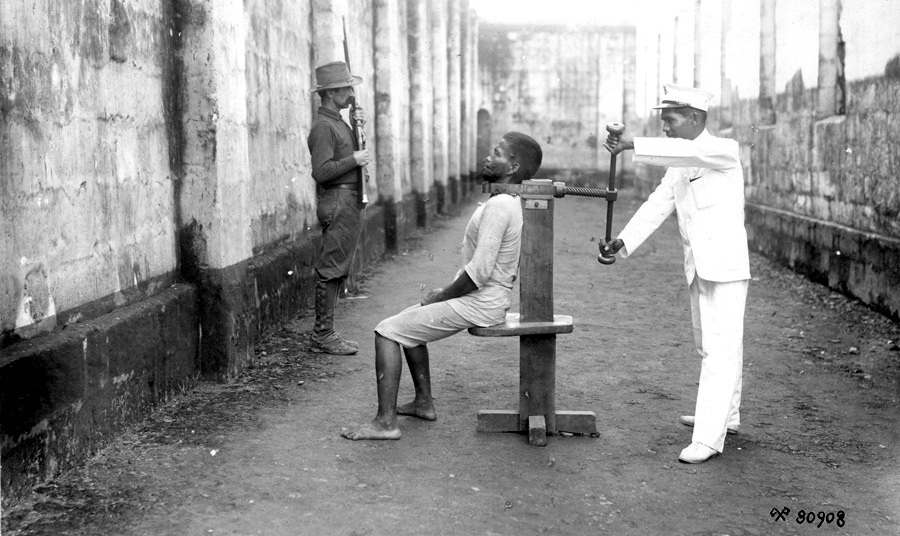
263,454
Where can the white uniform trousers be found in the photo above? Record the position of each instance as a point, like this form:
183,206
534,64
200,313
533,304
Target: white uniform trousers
717,315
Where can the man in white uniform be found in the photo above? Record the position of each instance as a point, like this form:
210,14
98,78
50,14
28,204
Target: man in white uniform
704,185
479,295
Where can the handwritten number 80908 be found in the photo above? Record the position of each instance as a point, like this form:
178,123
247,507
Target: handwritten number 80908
810,517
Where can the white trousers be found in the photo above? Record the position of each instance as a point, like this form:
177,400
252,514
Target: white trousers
717,315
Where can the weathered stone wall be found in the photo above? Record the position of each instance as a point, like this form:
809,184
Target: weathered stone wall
282,195
440,133
147,144
421,110
65,396
558,83
817,123
841,169
392,97
86,190
823,195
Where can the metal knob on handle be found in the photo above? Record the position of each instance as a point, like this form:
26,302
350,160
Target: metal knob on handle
615,128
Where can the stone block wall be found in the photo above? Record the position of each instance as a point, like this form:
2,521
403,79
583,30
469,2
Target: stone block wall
841,168
157,201
278,78
810,90
65,396
560,84
421,109
87,190
823,195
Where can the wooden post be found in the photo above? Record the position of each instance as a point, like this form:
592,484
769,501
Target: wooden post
537,353
536,326
536,265
537,381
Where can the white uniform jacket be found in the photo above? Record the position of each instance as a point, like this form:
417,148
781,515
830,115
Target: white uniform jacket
705,185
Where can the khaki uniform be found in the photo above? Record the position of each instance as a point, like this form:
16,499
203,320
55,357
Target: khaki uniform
331,146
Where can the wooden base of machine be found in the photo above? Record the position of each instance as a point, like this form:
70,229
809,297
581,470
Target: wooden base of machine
498,420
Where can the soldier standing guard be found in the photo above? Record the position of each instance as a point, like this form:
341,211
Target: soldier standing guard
334,168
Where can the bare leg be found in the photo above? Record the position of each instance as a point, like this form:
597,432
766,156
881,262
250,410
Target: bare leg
387,371
422,405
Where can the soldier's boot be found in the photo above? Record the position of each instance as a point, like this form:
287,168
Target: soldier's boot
337,294
324,338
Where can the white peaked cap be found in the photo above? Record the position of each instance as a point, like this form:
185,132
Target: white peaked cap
679,97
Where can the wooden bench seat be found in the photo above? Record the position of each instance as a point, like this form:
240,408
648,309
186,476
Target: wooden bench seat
513,327
537,413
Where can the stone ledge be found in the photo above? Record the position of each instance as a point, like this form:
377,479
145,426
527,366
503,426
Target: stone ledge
66,394
239,302
863,265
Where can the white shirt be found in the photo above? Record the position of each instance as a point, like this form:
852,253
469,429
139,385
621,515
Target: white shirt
490,255
705,186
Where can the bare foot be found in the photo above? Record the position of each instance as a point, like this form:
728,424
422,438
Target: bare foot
371,430
421,410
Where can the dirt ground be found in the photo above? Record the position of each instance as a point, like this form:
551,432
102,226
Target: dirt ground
263,454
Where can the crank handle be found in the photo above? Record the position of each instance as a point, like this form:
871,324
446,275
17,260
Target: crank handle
608,252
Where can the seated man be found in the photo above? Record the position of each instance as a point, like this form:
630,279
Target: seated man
479,296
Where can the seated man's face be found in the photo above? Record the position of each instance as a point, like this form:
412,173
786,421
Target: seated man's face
498,165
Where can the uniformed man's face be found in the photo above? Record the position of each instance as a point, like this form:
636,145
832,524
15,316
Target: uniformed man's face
498,167
342,97
680,123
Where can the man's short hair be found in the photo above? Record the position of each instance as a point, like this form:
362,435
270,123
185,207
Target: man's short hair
527,153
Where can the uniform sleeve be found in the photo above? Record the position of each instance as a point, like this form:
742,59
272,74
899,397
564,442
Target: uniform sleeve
491,229
322,141
651,214
716,153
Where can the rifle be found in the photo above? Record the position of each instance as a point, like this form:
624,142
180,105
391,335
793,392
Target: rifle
362,175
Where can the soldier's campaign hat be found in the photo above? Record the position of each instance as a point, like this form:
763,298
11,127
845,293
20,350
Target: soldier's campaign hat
680,97
334,75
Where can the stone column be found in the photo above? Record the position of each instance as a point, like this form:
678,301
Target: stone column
391,125
474,164
675,34
659,82
707,43
328,32
454,82
767,90
830,95
599,156
215,234
440,124
725,104
421,110
629,77
465,104
629,116
698,42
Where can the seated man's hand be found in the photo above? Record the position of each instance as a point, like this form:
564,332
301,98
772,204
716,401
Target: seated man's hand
433,296
613,247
